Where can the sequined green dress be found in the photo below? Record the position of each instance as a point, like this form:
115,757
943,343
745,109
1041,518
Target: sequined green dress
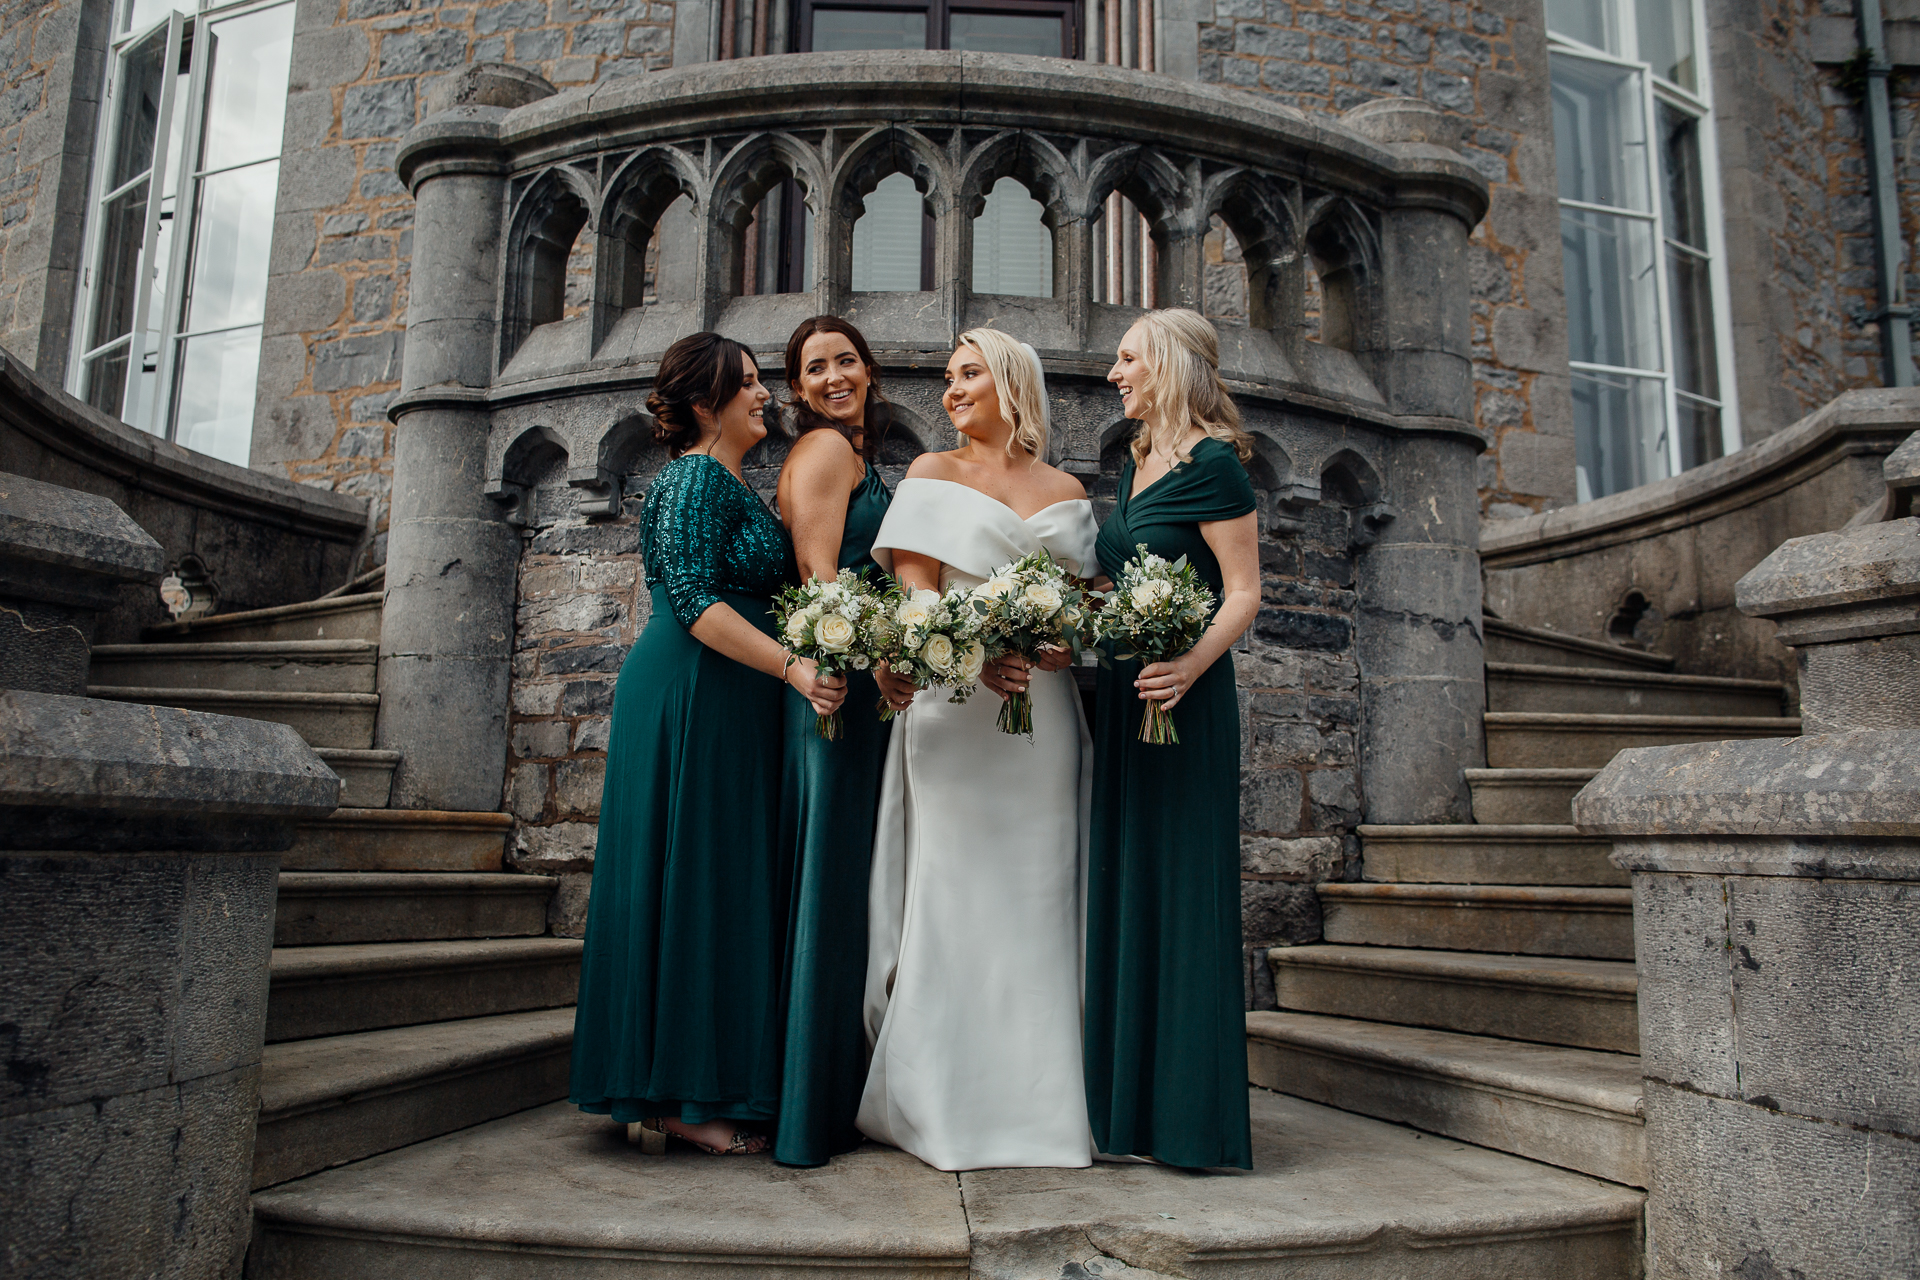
1165,1024
827,811
679,1011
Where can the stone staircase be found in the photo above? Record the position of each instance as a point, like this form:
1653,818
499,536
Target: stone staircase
1479,983
412,992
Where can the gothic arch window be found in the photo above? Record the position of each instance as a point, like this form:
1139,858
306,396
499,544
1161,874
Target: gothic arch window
180,220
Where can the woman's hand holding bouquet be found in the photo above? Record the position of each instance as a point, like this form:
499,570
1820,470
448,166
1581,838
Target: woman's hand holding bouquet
843,624
1155,612
1028,607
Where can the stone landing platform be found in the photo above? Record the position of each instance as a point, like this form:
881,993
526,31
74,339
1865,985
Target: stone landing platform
551,1194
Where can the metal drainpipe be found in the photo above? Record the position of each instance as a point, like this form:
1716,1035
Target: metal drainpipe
1894,314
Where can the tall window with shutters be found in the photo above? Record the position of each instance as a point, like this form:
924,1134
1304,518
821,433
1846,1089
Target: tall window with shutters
181,219
1640,235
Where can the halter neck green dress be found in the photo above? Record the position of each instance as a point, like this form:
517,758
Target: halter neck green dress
679,1011
828,802
1166,1036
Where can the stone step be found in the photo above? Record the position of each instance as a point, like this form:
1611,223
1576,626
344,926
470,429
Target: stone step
323,719
1543,740
329,1101
1511,642
1525,796
327,908
329,991
1508,919
355,617
366,775
274,666
1584,1004
1575,1108
1516,686
1470,853
552,1194
400,840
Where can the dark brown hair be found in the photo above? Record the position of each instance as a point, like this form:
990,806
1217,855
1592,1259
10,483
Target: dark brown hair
878,414
700,371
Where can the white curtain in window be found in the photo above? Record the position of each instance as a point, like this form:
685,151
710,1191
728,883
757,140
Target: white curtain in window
886,239
1012,248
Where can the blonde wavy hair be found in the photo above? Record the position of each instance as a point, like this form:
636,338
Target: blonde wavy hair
1182,387
1022,385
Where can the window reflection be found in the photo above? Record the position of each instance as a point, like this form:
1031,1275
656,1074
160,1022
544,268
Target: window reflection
233,230
844,30
215,412
1042,36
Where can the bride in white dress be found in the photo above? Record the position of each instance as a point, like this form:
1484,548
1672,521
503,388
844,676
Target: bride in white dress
974,967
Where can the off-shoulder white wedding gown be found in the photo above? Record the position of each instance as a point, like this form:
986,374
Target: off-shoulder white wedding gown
976,908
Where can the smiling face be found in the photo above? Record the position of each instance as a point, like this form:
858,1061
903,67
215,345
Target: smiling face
834,379
742,420
1129,372
972,399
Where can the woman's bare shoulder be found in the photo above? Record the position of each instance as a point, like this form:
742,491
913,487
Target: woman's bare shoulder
1058,485
934,466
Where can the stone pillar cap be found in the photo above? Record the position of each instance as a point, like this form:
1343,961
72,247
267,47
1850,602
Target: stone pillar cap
488,84
62,546
1839,586
1862,783
86,773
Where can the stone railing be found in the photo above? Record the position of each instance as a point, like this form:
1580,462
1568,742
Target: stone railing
1380,212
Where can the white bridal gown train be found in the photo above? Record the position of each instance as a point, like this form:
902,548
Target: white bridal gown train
976,907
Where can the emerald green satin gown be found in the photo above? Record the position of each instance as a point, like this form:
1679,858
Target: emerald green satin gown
1166,1037
679,1011
828,802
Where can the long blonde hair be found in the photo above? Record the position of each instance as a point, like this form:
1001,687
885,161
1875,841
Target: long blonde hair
1182,387
1022,385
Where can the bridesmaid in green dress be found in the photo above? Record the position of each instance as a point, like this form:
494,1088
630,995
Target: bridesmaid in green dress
678,1025
832,500
1165,1030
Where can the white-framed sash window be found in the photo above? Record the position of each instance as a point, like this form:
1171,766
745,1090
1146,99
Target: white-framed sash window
180,220
1641,243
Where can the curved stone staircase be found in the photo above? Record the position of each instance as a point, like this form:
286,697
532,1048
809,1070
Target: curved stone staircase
1479,983
412,990
1468,1023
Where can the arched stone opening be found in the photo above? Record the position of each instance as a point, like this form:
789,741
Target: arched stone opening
1343,250
649,236
761,224
890,201
1137,194
544,237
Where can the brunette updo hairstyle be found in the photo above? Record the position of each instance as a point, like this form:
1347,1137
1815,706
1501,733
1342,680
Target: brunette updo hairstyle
878,414
700,371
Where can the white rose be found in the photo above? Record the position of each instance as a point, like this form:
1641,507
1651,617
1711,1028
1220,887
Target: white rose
1144,594
925,597
797,627
972,660
861,662
996,588
914,613
1043,596
833,633
938,653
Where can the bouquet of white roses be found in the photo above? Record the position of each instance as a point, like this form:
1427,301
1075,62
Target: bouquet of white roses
934,643
1157,611
1026,606
843,624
